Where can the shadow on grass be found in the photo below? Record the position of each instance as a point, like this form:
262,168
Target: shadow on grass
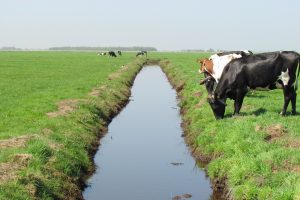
254,95
257,112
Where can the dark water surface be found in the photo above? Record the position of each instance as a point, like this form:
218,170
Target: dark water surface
143,156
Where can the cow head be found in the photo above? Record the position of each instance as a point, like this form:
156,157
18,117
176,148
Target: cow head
218,106
209,83
206,65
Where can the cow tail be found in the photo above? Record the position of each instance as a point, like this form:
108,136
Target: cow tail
296,85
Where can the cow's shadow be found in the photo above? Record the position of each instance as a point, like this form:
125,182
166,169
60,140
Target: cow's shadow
259,111
256,96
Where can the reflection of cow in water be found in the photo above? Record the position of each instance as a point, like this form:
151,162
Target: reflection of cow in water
119,53
112,54
141,53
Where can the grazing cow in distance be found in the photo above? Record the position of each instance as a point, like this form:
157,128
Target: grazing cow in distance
141,53
112,54
145,53
102,54
252,71
119,53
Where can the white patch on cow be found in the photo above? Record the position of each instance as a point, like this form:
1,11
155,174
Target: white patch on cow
212,57
285,77
219,63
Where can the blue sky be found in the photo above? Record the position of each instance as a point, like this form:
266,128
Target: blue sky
259,25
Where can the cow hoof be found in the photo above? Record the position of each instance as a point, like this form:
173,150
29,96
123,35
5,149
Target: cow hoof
282,113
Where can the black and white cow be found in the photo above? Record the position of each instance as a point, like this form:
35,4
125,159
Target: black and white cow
214,66
119,53
112,54
242,53
141,53
101,54
252,71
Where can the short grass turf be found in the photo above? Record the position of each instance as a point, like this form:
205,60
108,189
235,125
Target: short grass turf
256,153
44,157
33,82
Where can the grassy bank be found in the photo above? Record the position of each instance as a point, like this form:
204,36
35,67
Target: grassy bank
53,107
255,154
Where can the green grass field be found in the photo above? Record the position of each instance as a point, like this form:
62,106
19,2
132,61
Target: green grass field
54,106
33,82
256,153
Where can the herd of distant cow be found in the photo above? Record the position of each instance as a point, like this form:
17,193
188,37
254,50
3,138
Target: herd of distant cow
113,54
232,74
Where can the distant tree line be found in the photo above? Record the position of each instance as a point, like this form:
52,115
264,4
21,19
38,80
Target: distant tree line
103,49
202,50
10,49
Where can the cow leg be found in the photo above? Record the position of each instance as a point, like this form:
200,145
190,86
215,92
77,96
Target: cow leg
288,96
239,101
293,101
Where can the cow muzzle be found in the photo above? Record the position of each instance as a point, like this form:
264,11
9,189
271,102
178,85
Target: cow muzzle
213,99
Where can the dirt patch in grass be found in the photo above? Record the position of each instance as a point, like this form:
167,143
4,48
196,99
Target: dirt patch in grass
64,107
16,142
47,131
248,107
123,68
180,86
97,91
286,166
198,94
113,76
292,143
198,154
8,171
117,74
258,128
278,133
201,103
275,131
